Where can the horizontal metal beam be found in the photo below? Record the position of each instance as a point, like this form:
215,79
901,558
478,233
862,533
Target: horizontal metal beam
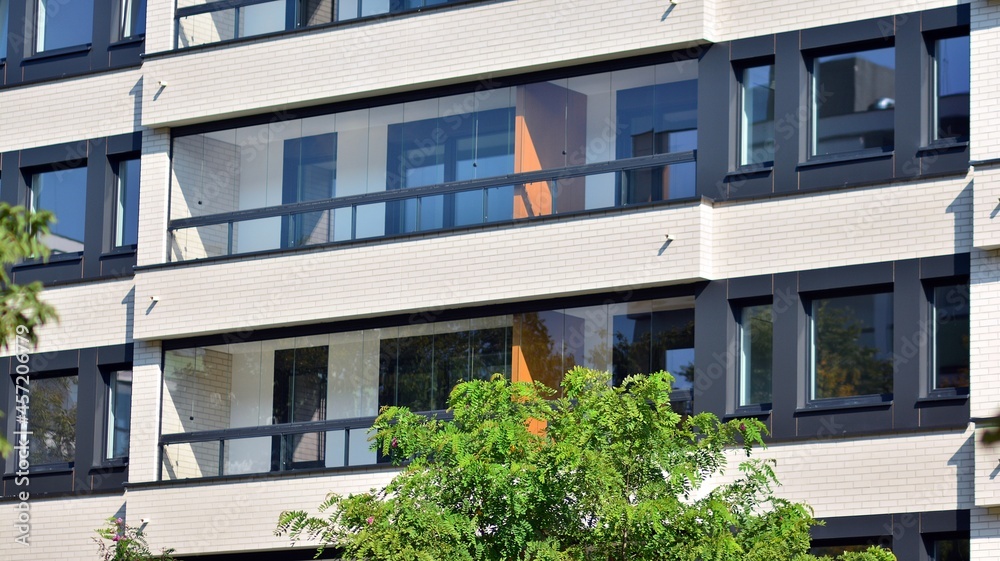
442,189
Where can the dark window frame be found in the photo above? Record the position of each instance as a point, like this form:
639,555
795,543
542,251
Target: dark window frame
114,189
929,382
809,300
108,377
30,173
737,308
811,58
35,12
740,67
929,139
33,378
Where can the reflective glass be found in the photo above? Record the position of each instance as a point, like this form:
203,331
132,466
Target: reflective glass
852,346
757,115
756,343
951,96
63,23
853,101
64,193
951,337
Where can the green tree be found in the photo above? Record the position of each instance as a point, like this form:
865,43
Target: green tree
21,232
615,475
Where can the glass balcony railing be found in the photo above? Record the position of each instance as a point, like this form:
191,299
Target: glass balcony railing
619,183
267,449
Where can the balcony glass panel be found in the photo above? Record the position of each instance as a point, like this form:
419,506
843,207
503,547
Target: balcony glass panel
438,144
309,402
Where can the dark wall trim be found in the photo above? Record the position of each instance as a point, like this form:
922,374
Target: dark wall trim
909,535
98,260
24,66
430,316
88,473
790,415
794,170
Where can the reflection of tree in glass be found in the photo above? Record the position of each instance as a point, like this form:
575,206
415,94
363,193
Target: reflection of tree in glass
419,372
844,365
52,420
542,355
644,352
761,353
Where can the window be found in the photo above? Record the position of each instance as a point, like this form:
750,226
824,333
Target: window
300,392
757,115
653,336
951,89
756,342
63,23
64,193
647,112
52,420
119,414
851,346
127,204
132,22
853,101
950,351
3,29
953,549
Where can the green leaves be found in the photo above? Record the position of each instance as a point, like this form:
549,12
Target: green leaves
21,234
602,473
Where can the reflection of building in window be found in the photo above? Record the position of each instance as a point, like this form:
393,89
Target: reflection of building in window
951,88
951,337
854,101
64,193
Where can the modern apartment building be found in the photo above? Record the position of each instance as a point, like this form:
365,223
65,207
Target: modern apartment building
277,216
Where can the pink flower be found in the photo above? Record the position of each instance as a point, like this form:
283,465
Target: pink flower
743,427
395,443
120,521
116,538
371,520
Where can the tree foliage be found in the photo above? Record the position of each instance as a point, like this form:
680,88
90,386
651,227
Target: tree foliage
21,232
615,475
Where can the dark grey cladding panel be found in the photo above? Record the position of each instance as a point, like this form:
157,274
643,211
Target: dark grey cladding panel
846,277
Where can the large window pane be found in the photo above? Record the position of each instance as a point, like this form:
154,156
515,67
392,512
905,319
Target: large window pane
119,414
133,19
127,204
63,192
757,115
3,28
52,420
756,344
951,92
955,549
852,346
63,23
951,337
653,336
853,98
